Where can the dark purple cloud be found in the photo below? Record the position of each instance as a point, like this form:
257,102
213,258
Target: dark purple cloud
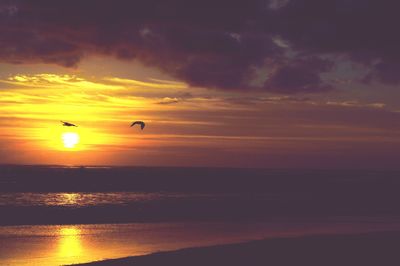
23,46
215,44
363,31
299,76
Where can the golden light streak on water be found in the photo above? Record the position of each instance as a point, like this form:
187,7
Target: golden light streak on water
69,198
69,243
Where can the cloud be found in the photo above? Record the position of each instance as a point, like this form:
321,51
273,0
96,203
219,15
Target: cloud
357,104
20,46
168,100
362,31
301,76
276,4
218,45
158,84
52,81
8,9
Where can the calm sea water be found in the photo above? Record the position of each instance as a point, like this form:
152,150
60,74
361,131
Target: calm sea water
62,215
47,245
86,199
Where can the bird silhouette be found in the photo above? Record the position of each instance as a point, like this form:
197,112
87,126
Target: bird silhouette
66,124
141,123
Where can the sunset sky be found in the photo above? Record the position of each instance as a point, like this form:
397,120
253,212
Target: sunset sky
278,83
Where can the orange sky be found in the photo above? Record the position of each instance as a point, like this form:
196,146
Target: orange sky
185,125
219,83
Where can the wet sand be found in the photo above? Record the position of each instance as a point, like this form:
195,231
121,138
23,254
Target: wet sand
379,248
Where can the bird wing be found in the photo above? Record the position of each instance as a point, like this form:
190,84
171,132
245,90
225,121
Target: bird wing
141,123
68,124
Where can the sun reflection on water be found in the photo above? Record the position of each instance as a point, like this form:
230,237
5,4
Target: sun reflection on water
69,198
69,243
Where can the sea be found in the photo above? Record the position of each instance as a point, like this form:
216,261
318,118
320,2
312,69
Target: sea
60,215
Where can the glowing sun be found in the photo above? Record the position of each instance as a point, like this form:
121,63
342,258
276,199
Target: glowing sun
70,139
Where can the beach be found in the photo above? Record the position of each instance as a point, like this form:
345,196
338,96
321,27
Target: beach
333,250
226,133
72,215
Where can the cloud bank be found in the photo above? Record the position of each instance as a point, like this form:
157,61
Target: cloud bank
214,44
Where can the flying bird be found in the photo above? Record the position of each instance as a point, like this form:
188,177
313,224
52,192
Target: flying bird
66,124
141,123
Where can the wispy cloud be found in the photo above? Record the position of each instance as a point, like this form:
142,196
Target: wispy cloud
54,81
168,100
159,84
356,104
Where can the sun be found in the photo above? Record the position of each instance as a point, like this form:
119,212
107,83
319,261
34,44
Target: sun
70,139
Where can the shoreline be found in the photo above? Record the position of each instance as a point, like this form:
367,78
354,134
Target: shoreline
377,248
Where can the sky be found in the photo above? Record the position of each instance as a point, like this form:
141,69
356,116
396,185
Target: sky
271,83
